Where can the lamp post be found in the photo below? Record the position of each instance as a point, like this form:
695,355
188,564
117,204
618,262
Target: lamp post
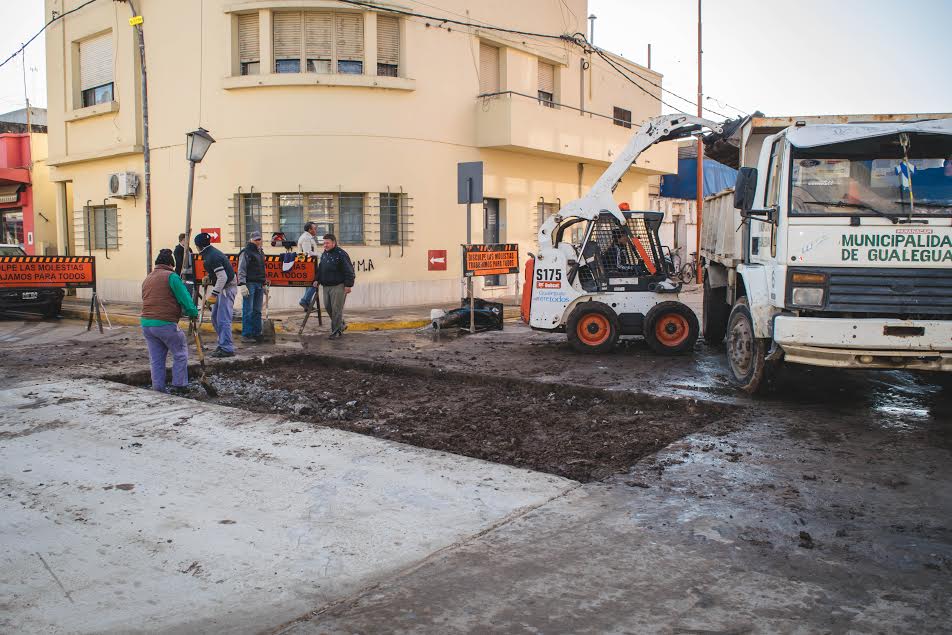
197,144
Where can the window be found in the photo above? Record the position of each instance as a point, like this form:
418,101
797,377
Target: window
389,219
95,70
772,191
247,217
329,212
488,69
622,117
546,84
249,55
102,227
351,219
388,46
544,210
318,42
11,228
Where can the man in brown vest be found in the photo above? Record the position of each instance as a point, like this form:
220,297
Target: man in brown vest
164,299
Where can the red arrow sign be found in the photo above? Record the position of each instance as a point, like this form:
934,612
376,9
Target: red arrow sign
214,232
436,260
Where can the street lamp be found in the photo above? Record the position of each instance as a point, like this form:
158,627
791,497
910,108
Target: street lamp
196,145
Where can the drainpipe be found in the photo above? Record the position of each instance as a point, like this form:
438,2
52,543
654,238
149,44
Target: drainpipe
146,158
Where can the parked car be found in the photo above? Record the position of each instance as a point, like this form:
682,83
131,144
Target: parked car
47,301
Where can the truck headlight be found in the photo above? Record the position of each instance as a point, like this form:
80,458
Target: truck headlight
807,296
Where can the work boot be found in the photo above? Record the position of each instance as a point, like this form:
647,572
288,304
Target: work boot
335,335
343,328
178,391
304,305
249,339
222,353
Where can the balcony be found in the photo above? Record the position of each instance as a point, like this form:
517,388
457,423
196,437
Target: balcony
520,123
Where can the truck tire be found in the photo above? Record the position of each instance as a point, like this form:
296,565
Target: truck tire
715,312
671,328
746,354
592,328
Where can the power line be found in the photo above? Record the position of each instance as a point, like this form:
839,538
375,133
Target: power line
45,26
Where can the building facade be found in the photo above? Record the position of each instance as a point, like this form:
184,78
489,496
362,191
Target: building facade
351,116
27,206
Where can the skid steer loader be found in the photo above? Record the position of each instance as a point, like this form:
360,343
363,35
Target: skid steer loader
600,273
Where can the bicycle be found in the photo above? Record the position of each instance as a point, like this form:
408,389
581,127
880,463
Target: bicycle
688,271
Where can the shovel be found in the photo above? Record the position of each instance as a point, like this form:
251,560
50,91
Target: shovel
197,329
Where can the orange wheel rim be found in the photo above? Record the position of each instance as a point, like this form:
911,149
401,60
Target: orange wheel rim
672,329
593,329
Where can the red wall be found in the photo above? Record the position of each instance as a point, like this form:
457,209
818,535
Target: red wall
15,153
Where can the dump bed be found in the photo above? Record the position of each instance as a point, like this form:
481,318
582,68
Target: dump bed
721,230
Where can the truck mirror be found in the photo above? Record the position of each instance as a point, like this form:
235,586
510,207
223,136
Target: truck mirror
745,188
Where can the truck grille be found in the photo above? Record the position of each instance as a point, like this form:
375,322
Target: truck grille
891,291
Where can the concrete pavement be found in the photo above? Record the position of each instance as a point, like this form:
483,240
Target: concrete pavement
126,510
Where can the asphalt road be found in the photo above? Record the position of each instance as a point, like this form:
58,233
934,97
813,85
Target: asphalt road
828,508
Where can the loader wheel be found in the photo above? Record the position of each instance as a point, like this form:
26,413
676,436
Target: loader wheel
592,328
715,312
746,353
671,328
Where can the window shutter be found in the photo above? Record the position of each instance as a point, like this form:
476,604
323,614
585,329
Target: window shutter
95,61
318,35
350,37
388,40
287,35
488,69
546,78
248,47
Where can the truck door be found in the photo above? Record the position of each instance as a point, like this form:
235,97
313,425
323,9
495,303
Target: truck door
763,233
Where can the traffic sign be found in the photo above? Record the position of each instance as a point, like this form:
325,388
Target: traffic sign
436,260
214,232
490,260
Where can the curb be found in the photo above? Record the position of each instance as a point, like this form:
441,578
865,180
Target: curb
130,320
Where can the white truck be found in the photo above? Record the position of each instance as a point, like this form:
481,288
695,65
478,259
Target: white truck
836,249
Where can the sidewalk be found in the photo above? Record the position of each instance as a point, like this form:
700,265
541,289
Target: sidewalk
289,320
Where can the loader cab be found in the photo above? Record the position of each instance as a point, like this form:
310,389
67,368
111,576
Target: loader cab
616,257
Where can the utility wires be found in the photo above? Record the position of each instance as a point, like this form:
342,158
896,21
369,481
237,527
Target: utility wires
45,26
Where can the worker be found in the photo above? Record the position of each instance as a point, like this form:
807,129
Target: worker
336,274
181,249
221,298
164,299
251,280
619,258
307,245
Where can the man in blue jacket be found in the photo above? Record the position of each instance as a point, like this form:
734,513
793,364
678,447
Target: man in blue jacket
221,298
336,274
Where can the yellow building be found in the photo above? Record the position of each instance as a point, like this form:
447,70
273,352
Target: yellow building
352,116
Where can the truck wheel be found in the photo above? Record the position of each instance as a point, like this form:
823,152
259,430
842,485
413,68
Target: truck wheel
671,328
592,328
746,354
715,312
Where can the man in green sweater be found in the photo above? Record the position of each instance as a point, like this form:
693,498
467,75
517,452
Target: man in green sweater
164,299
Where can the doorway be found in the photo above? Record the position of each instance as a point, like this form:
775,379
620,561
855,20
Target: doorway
492,233
11,227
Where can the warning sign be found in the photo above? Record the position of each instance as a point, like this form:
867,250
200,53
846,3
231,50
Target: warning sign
75,272
490,260
302,273
436,260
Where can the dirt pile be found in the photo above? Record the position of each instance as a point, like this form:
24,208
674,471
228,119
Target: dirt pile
580,433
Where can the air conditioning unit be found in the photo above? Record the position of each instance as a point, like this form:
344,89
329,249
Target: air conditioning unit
122,184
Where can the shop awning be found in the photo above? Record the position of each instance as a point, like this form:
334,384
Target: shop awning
10,176
10,193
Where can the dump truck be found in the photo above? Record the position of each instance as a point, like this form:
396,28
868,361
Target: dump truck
834,247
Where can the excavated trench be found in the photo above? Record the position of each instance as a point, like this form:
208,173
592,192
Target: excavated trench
580,433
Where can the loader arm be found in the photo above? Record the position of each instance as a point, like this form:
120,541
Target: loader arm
599,198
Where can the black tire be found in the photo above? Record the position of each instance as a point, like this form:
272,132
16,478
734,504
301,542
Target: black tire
671,328
746,354
686,274
592,328
715,313
53,309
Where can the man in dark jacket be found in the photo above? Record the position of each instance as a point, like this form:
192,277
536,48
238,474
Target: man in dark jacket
336,274
221,298
164,299
251,279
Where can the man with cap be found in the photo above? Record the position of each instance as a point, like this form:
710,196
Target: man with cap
164,299
251,279
221,298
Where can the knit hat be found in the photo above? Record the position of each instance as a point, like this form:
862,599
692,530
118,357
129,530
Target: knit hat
165,257
203,240
255,236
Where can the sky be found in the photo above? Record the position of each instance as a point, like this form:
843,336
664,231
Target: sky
782,57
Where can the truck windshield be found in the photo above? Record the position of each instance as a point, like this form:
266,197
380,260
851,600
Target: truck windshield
874,177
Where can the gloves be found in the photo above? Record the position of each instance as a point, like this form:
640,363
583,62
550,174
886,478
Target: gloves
211,300
245,291
206,281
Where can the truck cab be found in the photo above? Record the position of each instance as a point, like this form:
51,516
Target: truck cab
838,251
